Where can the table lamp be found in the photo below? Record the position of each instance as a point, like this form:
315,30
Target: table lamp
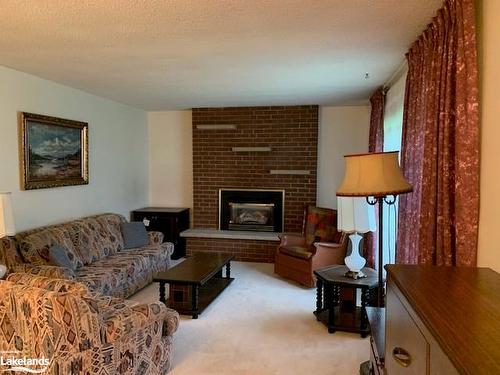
355,216
377,177
7,227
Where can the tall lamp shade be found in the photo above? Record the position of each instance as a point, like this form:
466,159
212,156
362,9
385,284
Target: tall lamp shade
7,227
376,175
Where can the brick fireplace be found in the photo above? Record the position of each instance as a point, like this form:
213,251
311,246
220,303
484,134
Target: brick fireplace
261,148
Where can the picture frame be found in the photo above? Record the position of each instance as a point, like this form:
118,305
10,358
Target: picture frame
53,152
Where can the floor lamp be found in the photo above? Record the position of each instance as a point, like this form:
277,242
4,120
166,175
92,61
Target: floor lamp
378,177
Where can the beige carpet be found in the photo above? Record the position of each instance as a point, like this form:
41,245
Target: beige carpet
261,324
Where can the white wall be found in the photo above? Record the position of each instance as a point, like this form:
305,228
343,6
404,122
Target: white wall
489,68
117,152
170,159
342,131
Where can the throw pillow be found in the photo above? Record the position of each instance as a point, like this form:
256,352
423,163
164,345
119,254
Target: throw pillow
58,256
321,225
134,234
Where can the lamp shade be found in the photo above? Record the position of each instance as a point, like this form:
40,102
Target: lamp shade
355,215
376,174
6,216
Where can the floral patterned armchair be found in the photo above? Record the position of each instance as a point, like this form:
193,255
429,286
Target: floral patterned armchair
319,245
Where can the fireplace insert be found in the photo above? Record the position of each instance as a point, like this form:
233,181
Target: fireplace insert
251,210
252,216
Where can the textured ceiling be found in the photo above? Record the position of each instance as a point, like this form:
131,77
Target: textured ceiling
167,54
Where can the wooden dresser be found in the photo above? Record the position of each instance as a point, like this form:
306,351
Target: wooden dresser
441,321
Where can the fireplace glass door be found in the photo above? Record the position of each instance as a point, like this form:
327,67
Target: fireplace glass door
252,216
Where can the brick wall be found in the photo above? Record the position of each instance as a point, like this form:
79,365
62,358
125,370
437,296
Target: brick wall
291,132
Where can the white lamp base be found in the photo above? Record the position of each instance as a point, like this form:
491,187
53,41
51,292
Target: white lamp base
355,262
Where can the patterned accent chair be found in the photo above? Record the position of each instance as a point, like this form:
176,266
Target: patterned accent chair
82,332
319,245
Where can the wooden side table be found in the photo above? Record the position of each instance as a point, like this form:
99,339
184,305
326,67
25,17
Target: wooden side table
340,315
170,221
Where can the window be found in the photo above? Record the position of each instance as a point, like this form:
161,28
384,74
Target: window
393,126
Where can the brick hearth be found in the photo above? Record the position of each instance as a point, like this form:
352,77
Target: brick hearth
243,250
221,159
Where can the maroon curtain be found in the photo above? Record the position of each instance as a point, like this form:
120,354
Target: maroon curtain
375,144
438,222
376,141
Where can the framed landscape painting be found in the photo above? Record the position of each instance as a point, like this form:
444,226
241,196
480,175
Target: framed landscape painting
54,152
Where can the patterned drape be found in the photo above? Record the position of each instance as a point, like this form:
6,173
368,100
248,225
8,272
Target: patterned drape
375,144
438,222
376,141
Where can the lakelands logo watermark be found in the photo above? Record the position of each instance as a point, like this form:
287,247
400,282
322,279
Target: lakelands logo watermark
13,361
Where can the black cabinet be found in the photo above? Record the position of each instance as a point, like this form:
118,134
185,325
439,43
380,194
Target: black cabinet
170,221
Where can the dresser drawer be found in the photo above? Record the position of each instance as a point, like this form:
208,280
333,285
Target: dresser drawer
407,350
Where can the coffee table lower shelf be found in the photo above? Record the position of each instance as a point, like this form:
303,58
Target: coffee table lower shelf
192,299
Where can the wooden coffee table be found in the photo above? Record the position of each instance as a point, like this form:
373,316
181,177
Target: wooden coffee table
195,282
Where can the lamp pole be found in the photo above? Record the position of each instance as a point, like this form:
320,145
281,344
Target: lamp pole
389,199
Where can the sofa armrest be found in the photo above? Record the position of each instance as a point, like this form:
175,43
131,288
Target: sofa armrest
292,239
121,320
54,272
102,301
170,322
9,254
155,238
48,283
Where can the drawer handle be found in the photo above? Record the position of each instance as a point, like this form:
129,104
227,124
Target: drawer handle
401,356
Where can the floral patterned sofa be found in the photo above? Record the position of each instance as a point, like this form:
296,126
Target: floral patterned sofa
82,332
95,247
